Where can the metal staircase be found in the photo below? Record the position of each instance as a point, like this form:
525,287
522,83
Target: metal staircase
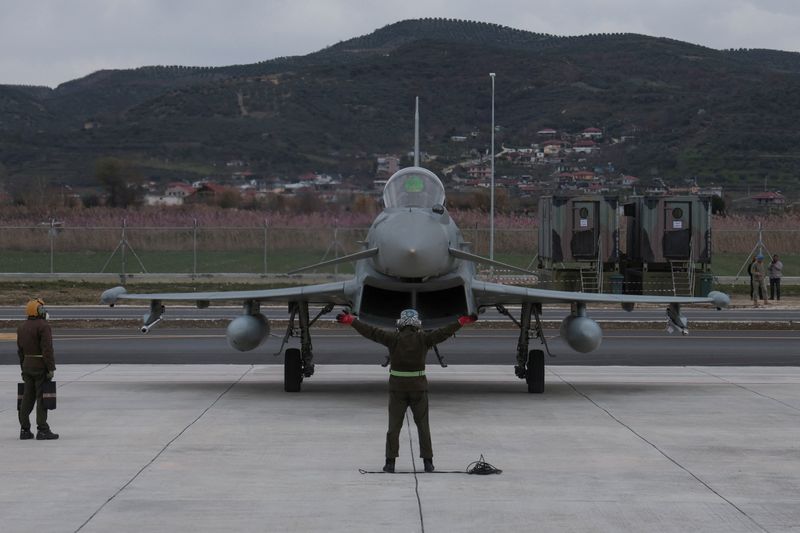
682,278
590,280
683,275
592,277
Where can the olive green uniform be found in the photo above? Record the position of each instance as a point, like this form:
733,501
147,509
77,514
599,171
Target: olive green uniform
407,351
35,350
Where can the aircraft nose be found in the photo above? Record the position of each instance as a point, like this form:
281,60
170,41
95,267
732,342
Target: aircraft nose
412,247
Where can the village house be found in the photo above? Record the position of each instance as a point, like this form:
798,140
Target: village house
554,147
592,133
179,189
480,171
207,192
387,165
585,146
628,181
768,198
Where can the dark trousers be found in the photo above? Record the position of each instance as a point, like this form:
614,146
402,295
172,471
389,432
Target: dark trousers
34,378
399,401
774,288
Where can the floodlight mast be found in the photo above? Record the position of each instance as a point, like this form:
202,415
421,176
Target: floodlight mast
491,196
416,133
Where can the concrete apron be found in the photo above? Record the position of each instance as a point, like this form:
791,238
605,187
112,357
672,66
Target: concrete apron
223,448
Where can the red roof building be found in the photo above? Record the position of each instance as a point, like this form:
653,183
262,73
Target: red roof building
585,146
769,198
592,133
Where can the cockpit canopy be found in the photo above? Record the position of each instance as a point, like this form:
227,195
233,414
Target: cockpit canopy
413,187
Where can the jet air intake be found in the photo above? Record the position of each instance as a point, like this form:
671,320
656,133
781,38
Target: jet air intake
247,332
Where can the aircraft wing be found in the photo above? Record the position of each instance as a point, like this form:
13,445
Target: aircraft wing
334,293
487,293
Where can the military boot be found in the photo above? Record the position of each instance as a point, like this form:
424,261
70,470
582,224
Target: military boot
389,466
25,434
46,434
428,465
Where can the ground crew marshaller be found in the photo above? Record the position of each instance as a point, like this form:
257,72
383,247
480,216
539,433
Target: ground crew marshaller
35,350
408,386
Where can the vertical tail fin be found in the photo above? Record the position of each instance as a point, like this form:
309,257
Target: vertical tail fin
416,133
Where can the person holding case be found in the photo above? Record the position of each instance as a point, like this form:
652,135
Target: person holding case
38,365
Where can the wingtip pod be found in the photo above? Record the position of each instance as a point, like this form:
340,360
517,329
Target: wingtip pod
110,296
719,299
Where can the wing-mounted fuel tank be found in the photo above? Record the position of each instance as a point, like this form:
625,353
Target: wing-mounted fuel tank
581,332
248,331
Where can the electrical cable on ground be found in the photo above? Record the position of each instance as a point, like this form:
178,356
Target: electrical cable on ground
476,468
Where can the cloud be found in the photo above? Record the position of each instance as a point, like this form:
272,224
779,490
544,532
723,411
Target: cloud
57,40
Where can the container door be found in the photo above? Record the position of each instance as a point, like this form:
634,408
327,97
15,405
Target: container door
677,229
585,227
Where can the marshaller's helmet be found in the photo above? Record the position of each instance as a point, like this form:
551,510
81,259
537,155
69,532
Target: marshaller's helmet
35,308
409,317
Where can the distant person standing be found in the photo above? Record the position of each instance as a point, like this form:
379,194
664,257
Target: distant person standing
775,272
35,350
759,272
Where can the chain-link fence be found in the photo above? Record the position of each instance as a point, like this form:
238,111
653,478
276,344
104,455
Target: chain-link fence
266,249
206,250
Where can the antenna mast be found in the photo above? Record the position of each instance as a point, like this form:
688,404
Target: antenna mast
416,133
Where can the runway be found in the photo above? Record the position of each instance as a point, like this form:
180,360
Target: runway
341,345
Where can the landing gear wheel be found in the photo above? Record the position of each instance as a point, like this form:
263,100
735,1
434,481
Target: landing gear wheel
535,375
292,370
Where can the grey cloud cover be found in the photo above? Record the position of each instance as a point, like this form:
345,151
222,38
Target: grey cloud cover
47,42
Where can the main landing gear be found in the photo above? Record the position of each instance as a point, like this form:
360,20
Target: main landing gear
299,363
530,364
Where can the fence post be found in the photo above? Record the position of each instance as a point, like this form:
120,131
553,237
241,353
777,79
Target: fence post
266,243
336,246
194,248
52,235
124,242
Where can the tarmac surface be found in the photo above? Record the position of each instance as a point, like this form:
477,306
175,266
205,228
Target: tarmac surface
222,448
342,345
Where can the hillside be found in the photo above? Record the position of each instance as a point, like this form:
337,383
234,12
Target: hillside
730,116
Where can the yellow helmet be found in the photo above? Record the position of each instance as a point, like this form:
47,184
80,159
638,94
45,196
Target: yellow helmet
35,308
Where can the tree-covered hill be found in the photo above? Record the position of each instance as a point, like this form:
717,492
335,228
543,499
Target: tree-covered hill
688,110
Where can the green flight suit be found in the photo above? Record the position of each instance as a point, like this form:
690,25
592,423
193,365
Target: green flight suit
35,350
407,351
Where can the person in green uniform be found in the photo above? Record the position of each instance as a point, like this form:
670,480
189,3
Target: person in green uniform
35,350
408,386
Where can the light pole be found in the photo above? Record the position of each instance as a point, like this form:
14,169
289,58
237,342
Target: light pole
491,185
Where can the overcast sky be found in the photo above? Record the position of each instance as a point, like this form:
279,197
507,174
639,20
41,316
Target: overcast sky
48,42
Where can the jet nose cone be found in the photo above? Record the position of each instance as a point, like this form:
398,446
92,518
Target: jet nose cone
412,245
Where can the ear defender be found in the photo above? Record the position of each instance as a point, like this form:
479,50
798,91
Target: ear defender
35,308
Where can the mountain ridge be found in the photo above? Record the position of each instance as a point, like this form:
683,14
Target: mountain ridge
696,110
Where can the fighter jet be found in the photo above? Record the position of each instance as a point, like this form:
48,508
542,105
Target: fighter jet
414,257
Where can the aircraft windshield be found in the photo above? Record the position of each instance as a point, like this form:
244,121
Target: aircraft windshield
413,187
